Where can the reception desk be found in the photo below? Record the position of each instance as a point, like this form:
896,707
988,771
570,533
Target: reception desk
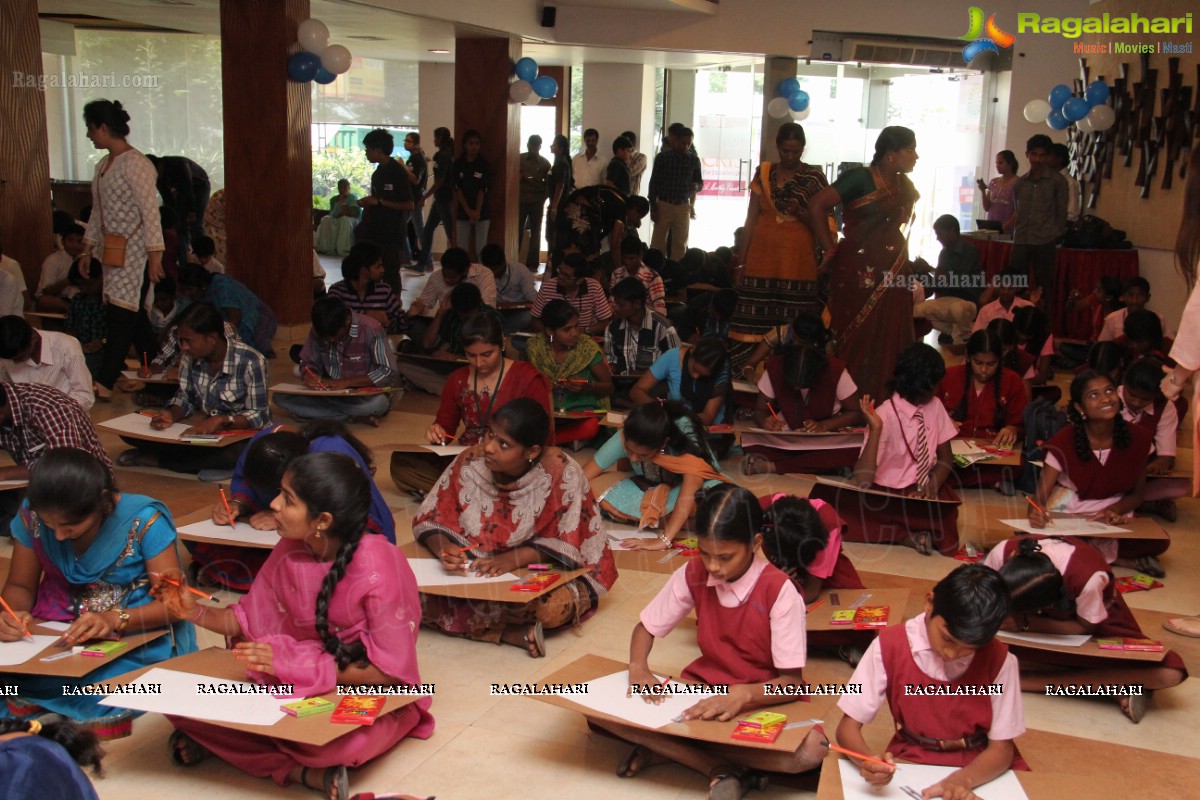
1074,270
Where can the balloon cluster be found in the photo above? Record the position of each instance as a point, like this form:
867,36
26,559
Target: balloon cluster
529,87
789,99
1090,113
318,60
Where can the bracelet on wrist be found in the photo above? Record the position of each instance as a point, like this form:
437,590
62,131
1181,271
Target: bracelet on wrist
662,537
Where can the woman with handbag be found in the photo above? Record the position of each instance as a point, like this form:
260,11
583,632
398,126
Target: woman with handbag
125,226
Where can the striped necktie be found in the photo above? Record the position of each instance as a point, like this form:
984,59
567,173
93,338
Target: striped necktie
922,449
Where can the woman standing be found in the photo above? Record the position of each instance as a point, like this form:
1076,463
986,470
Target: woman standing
576,368
125,228
870,304
559,185
777,278
998,200
472,179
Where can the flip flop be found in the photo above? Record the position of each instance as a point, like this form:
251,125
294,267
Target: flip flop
645,759
727,787
1150,565
1134,706
539,641
921,542
185,751
1184,626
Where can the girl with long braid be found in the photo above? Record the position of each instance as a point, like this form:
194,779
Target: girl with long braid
41,757
307,621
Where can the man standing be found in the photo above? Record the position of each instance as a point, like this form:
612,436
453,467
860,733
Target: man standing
418,176
1041,197
587,165
675,179
387,210
1061,156
637,163
184,186
958,281
534,169
442,192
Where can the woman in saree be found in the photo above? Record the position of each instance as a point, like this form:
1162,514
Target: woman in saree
777,278
317,617
576,368
665,449
510,501
83,553
869,301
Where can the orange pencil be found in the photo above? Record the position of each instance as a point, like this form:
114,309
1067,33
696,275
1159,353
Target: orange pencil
193,591
20,621
446,436
1029,500
814,605
771,408
311,371
228,510
853,754
465,549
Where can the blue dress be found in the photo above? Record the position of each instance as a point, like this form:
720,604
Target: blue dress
35,768
110,574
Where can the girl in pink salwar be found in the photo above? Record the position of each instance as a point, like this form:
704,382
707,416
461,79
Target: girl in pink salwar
330,607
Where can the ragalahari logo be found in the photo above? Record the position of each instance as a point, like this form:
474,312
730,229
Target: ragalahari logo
984,38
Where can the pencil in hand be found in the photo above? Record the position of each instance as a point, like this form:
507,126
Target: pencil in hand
1044,512
19,621
859,756
196,592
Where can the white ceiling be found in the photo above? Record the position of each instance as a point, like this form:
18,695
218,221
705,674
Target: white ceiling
398,36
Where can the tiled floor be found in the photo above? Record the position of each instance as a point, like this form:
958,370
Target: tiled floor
491,747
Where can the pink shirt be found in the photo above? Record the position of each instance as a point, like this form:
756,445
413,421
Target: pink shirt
1165,428
1089,605
896,466
1114,325
788,640
1008,720
846,387
994,310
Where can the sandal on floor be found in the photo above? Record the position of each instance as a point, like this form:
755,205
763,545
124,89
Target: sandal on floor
185,751
1184,626
1150,565
726,787
538,641
755,464
335,783
639,760
1134,706
921,542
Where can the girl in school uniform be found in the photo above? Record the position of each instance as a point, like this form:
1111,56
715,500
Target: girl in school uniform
906,457
802,389
1064,586
316,617
1144,405
1011,357
746,613
1096,466
951,645
665,450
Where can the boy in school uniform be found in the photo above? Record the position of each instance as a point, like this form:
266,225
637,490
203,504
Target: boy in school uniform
950,646
1135,296
1005,285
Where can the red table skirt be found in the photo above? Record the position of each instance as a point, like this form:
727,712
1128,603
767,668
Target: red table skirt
1074,270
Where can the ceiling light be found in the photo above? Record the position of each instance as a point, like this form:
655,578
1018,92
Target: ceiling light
440,51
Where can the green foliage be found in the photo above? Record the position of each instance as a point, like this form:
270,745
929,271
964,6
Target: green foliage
331,165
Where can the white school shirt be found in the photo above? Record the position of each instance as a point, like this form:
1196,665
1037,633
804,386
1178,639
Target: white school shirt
62,366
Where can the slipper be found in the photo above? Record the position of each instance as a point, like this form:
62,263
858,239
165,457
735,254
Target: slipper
185,751
756,464
1150,565
538,642
334,779
1134,706
644,758
1184,626
103,394
726,787
128,385
851,654
921,542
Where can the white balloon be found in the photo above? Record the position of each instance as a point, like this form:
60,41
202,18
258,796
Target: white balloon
313,35
1102,118
1037,110
519,91
800,116
778,107
336,59
532,100
1085,125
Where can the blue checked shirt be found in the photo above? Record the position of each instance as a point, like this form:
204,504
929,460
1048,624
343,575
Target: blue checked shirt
239,387
364,351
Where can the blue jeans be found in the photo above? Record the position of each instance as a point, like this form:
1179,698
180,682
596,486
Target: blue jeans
440,213
336,408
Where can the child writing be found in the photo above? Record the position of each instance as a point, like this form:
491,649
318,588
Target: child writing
1064,586
1096,466
750,629
952,644
985,399
907,456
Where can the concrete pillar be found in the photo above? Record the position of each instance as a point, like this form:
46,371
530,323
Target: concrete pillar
619,98
775,69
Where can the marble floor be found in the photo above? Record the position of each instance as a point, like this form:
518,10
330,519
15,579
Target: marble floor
503,747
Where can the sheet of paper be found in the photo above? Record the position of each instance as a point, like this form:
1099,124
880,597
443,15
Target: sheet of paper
54,626
139,424
181,696
1066,526
920,777
445,449
242,532
745,386
1057,639
429,572
607,695
159,377
13,653
966,447
616,535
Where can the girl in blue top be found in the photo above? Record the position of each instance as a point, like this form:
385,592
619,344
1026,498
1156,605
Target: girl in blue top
698,377
83,553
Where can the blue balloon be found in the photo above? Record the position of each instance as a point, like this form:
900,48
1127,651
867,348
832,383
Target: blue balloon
1057,121
324,76
302,67
1059,95
1097,93
1075,109
527,69
545,87
798,101
788,87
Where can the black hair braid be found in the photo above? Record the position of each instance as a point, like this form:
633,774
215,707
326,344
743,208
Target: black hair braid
959,414
1083,448
1000,413
1041,575
345,653
1122,437
81,744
